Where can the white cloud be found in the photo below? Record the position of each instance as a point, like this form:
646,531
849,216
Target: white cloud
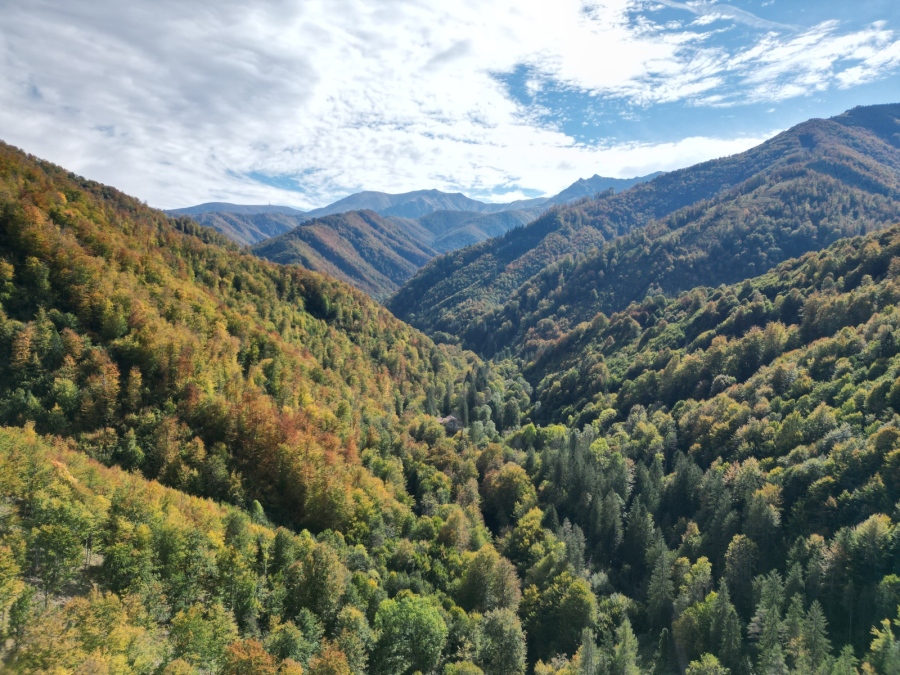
815,60
707,12
177,101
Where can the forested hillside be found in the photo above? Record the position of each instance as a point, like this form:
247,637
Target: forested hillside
247,229
373,253
736,469
717,222
210,463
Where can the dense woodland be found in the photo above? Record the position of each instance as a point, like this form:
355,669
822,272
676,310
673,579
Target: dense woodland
362,248
211,463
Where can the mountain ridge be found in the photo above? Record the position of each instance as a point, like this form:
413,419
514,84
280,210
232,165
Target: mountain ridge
418,203
458,294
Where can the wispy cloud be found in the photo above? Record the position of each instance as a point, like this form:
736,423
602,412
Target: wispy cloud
181,101
721,10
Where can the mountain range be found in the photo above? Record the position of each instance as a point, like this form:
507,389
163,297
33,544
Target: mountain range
377,251
677,451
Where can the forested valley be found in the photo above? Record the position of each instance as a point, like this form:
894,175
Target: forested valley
210,463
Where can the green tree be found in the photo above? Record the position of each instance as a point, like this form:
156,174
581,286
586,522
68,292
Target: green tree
884,652
200,635
298,643
816,647
501,643
625,652
661,590
355,638
412,634
707,665
488,582
317,582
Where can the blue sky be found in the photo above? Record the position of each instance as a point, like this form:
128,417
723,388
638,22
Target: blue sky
301,102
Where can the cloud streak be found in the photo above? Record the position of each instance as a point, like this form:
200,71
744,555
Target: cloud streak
187,101
718,10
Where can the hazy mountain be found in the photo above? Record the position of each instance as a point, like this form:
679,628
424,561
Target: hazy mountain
406,205
423,202
225,207
456,229
429,220
716,222
248,225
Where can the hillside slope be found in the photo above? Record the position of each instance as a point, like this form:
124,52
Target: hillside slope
838,189
740,444
248,229
766,205
138,335
373,253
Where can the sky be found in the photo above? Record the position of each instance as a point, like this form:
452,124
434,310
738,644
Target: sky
301,102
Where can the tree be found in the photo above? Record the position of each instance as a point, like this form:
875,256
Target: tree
201,634
884,652
661,590
11,586
247,657
740,564
501,643
317,582
725,634
462,668
489,582
354,638
816,648
288,641
412,635
331,661
766,625
61,525
625,653
556,615
503,490
707,665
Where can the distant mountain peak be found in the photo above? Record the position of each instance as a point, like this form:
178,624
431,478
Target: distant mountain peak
227,207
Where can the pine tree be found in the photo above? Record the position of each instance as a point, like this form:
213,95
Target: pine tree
625,654
814,638
661,590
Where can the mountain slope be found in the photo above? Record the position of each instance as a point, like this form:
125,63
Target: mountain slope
740,443
452,230
373,253
249,229
805,205
843,172
138,335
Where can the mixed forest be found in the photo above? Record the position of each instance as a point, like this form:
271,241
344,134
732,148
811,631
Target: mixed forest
647,463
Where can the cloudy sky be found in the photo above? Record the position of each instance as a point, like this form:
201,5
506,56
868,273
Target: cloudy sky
301,102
